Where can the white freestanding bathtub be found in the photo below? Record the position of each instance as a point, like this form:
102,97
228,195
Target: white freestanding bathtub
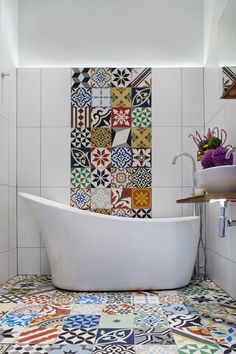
89,251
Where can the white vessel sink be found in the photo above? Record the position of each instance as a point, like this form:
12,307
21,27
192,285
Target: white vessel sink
217,179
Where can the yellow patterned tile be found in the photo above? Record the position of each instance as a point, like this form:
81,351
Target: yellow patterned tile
141,137
121,97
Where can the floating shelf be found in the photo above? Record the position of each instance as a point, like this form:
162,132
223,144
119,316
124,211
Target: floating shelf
207,197
231,92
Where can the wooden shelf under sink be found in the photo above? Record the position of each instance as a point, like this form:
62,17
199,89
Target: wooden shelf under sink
207,197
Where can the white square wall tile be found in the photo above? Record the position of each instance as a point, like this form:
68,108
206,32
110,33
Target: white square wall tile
166,97
3,267
13,105
190,147
45,267
12,155
231,234
216,268
28,97
230,280
5,96
3,218
166,143
12,261
58,194
213,240
12,217
29,260
56,87
192,97
28,231
208,94
4,151
29,157
164,202
187,208
55,157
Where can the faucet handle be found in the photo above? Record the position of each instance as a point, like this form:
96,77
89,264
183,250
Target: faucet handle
230,152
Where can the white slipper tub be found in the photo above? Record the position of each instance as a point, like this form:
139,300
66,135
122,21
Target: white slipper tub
89,251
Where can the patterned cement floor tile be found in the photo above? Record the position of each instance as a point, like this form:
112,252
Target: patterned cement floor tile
38,335
228,348
210,308
115,336
90,300
230,309
213,320
152,335
82,321
144,321
149,309
35,317
145,298
71,349
166,300
117,321
223,334
7,307
179,321
156,349
179,309
186,337
25,309
76,336
12,320
3,348
199,349
196,290
9,334
114,348
202,299
119,297
27,349
118,309
87,309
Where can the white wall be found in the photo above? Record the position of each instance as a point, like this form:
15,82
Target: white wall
221,253
125,33
8,244
44,145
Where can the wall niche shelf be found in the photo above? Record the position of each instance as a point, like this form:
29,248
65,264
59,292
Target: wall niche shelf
207,197
231,92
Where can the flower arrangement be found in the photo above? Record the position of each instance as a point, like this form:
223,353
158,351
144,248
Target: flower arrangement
211,151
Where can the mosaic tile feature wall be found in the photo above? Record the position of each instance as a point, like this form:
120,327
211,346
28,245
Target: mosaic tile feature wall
228,77
111,126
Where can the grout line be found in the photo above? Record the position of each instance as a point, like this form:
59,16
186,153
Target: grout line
67,126
40,156
17,187
215,114
43,127
220,255
181,136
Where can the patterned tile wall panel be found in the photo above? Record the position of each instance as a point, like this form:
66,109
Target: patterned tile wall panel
111,141
228,77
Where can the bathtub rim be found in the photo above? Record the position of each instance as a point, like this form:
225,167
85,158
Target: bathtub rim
61,206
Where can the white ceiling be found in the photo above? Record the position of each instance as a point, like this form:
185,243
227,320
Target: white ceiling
163,33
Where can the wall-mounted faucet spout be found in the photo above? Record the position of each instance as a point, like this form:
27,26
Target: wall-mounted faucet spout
188,155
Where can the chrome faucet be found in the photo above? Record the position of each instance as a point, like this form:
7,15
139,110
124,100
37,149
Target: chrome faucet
187,154
230,152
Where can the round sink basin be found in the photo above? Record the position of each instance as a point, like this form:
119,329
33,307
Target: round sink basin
217,179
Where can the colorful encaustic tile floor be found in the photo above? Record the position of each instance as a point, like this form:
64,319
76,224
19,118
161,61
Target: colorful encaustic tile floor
35,317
